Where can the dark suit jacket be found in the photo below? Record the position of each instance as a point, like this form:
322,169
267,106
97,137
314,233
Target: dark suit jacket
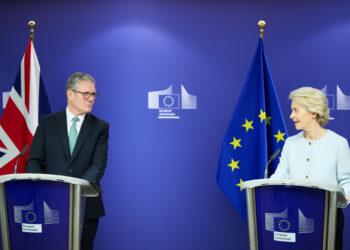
49,153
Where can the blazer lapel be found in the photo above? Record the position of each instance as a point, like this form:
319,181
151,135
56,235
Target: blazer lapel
84,131
62,129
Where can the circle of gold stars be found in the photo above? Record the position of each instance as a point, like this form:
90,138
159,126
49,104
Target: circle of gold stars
284,225
30,214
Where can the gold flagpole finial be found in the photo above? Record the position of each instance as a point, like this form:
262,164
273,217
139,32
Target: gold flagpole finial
261,25
31,25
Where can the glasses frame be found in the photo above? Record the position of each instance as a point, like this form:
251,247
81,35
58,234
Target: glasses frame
87,95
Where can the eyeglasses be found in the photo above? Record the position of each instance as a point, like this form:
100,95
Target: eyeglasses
87,95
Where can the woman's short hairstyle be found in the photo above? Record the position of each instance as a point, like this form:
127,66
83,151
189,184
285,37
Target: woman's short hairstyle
314,101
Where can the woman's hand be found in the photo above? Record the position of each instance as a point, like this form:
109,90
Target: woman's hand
346,197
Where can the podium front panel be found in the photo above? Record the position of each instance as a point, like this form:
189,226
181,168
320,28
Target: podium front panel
38,214
290,217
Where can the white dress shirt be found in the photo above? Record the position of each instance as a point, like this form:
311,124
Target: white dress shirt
70,117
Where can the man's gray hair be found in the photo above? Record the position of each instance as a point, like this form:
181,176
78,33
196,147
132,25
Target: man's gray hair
74,80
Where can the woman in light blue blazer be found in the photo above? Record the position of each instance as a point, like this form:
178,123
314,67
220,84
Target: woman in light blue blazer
315,154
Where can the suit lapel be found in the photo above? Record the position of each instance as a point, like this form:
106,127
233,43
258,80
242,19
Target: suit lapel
62,128
84,131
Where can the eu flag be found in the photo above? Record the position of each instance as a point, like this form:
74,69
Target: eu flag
256,131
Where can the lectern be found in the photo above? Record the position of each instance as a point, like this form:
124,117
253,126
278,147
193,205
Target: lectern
285,214
42,211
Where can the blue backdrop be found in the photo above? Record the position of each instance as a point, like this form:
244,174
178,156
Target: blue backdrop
160,187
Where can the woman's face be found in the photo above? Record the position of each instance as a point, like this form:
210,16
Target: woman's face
302,118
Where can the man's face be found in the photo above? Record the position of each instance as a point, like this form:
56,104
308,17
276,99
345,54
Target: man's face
77,104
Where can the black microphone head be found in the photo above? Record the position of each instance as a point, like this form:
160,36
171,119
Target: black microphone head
278,150
275,154
20,155
23,150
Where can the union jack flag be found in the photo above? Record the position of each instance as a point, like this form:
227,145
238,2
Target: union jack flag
27,102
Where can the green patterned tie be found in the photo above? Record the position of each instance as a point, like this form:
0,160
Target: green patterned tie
73,135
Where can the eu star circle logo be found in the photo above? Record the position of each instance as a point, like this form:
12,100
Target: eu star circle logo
31,217
284,225
168,101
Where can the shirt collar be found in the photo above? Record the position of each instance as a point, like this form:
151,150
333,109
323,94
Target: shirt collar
70,116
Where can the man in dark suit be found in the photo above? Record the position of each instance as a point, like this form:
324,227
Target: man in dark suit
74,143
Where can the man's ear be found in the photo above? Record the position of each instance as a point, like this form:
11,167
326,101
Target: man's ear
69,94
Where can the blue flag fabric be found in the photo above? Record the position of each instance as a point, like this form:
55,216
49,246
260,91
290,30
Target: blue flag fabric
256,131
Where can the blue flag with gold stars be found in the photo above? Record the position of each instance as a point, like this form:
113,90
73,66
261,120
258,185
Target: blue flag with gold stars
256,131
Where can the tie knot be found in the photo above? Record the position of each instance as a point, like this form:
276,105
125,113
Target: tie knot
75,119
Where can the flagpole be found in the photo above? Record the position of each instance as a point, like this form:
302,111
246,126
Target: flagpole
31,24
261,25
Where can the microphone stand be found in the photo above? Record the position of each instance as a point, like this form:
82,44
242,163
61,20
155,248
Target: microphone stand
20,155
271,159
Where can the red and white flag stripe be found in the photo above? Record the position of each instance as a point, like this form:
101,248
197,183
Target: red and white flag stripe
21,115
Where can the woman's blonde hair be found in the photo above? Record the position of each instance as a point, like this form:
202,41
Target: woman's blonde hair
314,101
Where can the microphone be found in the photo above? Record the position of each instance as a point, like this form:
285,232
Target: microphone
20,155
271,159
